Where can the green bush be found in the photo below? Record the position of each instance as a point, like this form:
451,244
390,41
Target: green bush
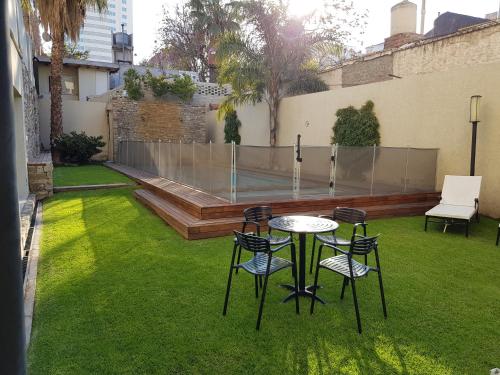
133,84
356,127
181,86
78,148
232,123
307,84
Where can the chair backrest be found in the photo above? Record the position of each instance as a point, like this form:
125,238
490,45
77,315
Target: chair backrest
253,243
363,245
461,190
258,214
349,215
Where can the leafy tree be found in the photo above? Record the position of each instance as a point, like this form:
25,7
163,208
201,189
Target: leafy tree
61,18
183,87
133,84
356,127
307,83
231,126
71,50
271,49
78,147
189,35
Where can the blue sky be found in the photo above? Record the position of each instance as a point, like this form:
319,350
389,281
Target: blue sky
147,18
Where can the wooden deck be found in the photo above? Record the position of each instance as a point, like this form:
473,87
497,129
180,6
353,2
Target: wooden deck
196,214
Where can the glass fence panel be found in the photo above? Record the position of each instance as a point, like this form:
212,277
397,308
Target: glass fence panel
353,170
389,170
264,172
421,170
220,170
315,170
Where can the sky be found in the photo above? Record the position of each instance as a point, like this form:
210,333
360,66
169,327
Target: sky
147,18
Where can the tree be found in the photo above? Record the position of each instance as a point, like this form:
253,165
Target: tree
61,18
189,35
231,126
71,50
272,49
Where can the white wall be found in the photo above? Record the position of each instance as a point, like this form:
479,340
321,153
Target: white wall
92,82
78,116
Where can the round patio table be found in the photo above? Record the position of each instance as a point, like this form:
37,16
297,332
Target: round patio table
302,225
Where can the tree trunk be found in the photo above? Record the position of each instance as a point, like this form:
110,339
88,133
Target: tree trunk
56,69
273,120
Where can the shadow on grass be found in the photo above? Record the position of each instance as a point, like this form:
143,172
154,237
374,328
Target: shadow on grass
120,292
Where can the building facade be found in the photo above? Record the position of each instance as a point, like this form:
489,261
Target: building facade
97,33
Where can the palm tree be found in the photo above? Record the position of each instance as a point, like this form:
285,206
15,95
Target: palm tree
62,18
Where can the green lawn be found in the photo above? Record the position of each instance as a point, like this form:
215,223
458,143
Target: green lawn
87,175
119,292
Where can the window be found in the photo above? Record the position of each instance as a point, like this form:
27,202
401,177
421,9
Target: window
69,85
124,9
124,1
124,16
112,6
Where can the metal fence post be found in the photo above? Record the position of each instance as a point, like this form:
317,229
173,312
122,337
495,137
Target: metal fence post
210,167
333,167
406,170
373,168
159,157
194,165
233,172
180,159
126,155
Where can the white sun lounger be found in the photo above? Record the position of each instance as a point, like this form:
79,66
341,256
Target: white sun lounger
459,202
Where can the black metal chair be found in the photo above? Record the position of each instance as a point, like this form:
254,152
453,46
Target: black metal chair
350,269
498,234
259,216
348,215
263,263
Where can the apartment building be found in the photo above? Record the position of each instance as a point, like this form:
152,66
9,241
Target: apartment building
96,35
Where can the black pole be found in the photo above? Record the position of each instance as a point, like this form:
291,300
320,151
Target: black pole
12,353
473,149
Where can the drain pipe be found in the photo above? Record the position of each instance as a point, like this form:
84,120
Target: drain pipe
12,354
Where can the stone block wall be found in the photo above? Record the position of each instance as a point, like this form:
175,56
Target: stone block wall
40,176
156,119
367,71
31,116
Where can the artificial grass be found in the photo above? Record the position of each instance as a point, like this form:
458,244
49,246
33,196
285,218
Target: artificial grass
119,292
87,175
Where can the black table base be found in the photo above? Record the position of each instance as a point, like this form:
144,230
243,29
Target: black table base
306,292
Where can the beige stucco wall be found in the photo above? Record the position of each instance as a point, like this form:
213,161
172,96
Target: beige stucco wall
92,82
78,116
254,129
424,111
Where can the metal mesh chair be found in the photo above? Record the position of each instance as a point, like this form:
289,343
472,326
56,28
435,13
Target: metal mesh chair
258,217
263,263
350,269
348,215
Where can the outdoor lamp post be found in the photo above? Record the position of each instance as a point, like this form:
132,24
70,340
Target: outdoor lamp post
474,119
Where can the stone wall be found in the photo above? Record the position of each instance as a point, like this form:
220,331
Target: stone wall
368,71
479,44
40,176
156,119
31,116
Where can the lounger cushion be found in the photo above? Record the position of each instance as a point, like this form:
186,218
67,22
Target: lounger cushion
461,190
452,211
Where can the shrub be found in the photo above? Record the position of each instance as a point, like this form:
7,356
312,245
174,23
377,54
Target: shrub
133,84
356,127
232,123
78,148
181,86
307,84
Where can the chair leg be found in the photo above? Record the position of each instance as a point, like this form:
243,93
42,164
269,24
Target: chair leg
295,280
315,285
498,236
228,288
312,255
260,281
356,307
467,229
256,287
261,307
345,282
382,296
426,221
239,257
